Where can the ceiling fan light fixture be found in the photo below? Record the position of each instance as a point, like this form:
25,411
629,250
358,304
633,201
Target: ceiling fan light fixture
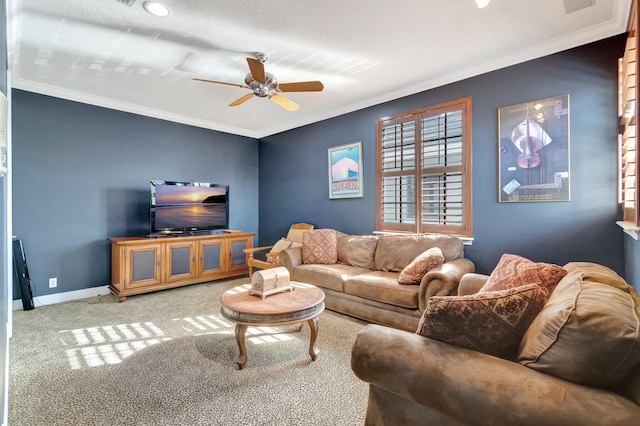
482,3
265,85
156,8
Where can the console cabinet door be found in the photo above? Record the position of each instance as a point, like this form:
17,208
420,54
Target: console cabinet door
142,265
211,258
180,261
237,257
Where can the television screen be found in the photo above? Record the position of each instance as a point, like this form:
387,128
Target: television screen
188,206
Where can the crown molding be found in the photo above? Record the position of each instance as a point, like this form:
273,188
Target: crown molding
72,95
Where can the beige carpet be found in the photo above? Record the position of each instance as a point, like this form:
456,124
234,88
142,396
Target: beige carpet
168,358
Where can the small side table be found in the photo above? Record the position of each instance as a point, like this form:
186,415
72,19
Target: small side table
305,303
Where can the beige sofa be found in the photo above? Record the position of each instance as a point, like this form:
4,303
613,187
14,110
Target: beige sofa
364,281
577,364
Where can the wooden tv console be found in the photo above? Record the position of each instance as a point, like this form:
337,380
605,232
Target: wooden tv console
141,265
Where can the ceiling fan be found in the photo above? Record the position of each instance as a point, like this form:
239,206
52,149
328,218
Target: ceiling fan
265,85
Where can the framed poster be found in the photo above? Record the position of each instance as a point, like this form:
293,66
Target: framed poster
533,151
345,171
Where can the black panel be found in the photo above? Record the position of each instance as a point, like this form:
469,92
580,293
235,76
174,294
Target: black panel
21,274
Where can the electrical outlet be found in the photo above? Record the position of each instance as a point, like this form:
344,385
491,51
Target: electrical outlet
53,282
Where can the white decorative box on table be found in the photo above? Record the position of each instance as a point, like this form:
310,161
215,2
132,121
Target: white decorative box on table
270,281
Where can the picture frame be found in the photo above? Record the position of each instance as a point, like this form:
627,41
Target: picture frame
533,147
345,171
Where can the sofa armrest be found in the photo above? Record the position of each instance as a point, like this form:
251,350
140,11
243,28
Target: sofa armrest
471,283
474,388
290,258
443,280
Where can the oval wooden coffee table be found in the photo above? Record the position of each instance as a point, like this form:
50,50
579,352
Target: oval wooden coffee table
305,303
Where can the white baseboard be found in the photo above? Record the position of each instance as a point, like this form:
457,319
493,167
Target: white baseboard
67,296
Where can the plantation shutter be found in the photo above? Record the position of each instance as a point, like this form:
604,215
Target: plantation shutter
442,170
398,166
424,172
628,152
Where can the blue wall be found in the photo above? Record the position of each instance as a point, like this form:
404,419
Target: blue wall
294,170
81,175
632,261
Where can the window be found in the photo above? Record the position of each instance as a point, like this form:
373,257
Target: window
423,170
628,152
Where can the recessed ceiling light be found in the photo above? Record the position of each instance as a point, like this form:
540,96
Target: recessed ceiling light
156,8
482,3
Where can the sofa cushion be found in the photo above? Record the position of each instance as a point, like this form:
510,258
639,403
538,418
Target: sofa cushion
357,250
515,271
395,252
588,332
382,287
490,322
326,276
320,246
423,263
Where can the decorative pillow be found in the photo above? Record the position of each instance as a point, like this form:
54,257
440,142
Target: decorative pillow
426,261
491,322
357,250
514,271
281,245
589,330
320,246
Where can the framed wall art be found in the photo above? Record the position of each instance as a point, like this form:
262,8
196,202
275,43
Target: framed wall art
533,151
345,171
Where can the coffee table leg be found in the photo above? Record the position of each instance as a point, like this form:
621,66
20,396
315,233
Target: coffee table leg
313,348
241,330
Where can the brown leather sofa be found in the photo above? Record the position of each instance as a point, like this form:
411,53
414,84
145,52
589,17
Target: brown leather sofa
364,281
578,364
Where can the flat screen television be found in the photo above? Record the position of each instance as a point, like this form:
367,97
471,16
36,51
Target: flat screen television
188,207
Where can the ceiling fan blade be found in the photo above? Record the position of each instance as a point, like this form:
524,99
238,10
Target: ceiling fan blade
285,103
242,99
219,82
257,70
303,86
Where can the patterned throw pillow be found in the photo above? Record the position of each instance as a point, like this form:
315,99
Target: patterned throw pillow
423,263
515,271
320,246
491,322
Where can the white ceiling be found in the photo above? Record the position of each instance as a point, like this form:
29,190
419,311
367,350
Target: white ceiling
107,53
